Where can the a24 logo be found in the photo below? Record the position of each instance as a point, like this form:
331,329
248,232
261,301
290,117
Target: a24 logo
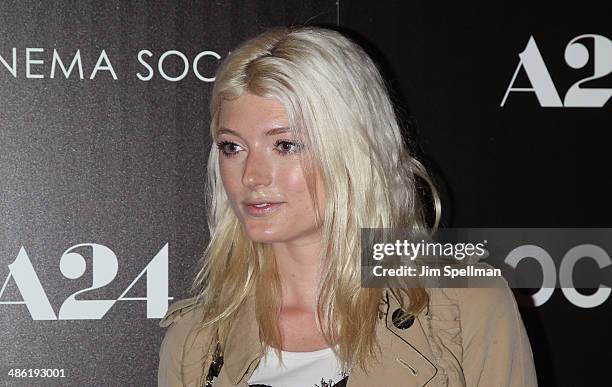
104,270
576,56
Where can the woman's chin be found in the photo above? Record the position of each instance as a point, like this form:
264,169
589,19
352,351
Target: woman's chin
264,236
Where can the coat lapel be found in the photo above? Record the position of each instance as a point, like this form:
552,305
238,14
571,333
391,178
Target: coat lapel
404,358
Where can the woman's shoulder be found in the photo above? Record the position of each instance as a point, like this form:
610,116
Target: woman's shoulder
179,309
493,301
494,346
185,343
183,321
479,307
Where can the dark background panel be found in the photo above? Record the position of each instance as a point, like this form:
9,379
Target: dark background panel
451,65
521,165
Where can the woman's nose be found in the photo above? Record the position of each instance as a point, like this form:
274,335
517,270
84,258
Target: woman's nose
257,171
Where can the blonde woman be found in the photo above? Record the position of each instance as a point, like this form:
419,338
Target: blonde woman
307,151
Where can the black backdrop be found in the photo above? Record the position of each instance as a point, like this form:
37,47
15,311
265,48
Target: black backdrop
120,162
520,165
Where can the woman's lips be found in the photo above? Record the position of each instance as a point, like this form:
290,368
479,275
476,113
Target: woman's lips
264,209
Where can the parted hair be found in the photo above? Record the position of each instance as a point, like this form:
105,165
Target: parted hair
339,107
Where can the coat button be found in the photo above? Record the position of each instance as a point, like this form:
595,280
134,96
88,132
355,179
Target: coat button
399,315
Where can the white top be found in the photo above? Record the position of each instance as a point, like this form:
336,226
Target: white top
299,369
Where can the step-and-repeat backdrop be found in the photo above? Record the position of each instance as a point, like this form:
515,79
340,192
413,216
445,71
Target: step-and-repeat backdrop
104,140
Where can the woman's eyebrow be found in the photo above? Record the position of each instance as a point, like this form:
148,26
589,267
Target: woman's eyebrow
270,132
276,131
223,130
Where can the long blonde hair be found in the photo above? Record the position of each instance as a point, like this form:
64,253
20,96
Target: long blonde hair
339,106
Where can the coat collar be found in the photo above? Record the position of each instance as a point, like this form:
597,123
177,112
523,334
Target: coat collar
405,353
243,346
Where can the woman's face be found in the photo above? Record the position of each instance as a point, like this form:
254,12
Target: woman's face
261,171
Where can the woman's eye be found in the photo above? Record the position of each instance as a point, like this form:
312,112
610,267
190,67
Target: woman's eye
287,147
228,148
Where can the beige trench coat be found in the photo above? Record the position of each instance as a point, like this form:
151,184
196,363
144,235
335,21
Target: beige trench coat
465,337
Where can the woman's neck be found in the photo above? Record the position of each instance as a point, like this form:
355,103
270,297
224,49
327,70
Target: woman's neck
299,272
